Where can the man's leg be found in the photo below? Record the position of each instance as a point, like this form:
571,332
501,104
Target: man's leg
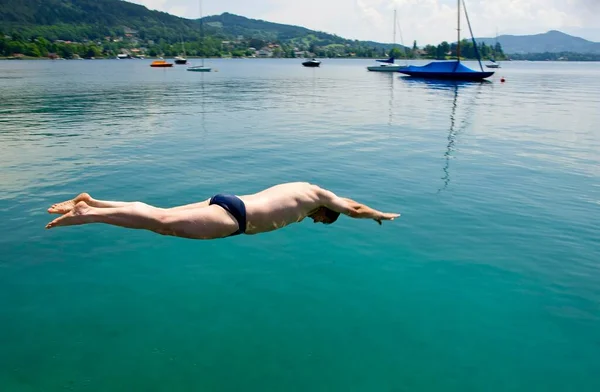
197,223
190,206
66,206
132,215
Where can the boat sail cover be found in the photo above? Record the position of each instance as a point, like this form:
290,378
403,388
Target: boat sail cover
445,69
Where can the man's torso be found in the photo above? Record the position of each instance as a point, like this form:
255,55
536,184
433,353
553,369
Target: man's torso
279,206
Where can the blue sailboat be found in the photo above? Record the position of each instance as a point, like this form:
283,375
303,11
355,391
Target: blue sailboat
453,69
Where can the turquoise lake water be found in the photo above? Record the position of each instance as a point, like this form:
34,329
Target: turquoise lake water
489,281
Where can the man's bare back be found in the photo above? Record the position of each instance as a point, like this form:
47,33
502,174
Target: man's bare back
222,215
279,206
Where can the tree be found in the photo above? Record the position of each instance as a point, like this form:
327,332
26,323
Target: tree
32,50
256,43
395,53
15,47
237,53
3,46
65,51
431,51
277,52
484,50
443,48
92,51
498,52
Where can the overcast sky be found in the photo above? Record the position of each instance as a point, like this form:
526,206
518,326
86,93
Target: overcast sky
427,21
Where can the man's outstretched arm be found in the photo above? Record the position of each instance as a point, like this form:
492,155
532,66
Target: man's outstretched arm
353,208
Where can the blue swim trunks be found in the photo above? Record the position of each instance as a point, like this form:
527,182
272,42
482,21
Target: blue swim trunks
235,206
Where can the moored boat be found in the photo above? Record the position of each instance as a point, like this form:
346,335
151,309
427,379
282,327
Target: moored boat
389,64
311,63
493,64
386,66
199,68
161,64
454,69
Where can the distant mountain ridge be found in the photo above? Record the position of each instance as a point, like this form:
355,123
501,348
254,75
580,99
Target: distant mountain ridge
551,42
95,19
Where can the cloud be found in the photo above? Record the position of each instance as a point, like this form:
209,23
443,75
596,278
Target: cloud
427,21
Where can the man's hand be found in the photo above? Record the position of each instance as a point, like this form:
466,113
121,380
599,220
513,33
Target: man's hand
386,216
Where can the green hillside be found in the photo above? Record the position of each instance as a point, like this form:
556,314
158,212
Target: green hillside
106,27
76,20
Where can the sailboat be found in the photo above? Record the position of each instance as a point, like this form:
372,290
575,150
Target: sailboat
453,69
388,65
493,63
200,68
181,59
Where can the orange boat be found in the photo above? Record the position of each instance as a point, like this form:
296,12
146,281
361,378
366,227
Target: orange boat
161,64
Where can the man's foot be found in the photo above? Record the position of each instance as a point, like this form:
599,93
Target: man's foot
67,206
77,216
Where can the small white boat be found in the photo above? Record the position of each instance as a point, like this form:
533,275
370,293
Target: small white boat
386,67
493,64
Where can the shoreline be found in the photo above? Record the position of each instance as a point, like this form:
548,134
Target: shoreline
25,58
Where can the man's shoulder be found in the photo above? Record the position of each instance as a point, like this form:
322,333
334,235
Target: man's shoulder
301,185
304,188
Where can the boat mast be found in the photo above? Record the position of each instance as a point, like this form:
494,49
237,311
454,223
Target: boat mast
201,30
458,30
394,26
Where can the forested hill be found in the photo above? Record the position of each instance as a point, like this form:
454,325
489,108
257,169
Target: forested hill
78,20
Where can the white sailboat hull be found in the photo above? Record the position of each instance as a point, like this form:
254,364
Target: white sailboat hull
386,68
199,68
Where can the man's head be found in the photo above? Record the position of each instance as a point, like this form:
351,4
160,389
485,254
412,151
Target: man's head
324,215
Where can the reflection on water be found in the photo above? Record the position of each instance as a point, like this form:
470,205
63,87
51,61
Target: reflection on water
472,90
451,140
391,100
460,99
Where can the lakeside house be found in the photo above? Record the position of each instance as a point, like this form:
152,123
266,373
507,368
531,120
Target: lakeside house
264,52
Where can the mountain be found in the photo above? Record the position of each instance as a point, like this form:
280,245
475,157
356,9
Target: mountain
550,42
89,19
235,25
77,20
109,13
